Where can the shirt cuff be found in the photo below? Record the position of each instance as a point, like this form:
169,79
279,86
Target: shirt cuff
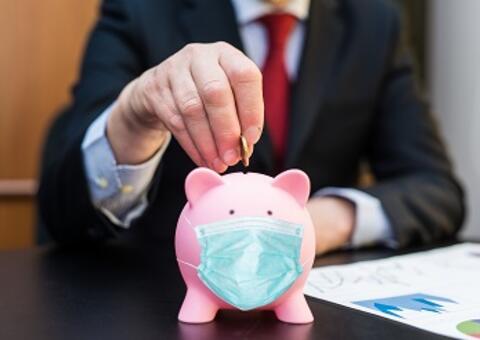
372,225
119,191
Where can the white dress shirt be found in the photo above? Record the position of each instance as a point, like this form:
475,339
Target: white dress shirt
120,191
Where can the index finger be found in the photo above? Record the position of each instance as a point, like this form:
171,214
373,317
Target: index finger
246,81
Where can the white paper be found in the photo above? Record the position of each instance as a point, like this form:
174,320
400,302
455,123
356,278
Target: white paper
437,290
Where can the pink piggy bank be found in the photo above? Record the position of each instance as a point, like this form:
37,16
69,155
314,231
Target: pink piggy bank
245,241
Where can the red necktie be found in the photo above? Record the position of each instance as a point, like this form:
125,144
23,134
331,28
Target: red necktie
276,85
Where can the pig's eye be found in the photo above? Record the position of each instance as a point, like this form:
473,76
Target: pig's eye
269,212
231,212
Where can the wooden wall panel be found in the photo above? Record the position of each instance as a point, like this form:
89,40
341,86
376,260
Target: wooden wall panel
42,42
17,216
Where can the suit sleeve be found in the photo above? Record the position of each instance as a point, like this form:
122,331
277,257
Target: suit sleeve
414,179
111,60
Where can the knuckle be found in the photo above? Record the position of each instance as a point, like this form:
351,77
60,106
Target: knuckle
191,48
169,68
150,86
222,45
176,124
246,74
148,104
164,93
215,93
229,135
149,94
165,66
156,71
191,107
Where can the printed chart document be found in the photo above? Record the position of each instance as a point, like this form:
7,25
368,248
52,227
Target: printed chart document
437,290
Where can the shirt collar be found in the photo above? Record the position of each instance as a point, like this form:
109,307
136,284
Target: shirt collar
250,10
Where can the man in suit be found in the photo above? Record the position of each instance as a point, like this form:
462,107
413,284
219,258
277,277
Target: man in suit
169,85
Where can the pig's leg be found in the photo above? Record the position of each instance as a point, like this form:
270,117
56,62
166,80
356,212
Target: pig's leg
197,308
294,309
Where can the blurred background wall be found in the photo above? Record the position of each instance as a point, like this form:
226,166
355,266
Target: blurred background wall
454,81
42,42
41,46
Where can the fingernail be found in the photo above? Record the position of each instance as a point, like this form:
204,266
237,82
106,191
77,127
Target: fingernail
218,165
252,134
230,157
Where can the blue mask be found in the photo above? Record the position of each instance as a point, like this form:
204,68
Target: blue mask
249,262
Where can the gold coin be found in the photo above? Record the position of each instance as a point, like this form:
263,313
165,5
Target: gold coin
244,151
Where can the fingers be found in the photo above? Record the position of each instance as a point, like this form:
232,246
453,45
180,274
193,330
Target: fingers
190,106
207,95
219,104
163,104
176,125
246,81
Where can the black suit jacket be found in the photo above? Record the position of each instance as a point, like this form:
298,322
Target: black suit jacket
354,99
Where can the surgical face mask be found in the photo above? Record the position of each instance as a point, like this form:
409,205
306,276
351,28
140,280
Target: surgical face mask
251,261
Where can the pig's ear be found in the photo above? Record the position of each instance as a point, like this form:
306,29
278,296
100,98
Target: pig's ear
200,181
296,183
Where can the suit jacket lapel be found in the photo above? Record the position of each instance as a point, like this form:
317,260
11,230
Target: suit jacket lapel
323,38
211,21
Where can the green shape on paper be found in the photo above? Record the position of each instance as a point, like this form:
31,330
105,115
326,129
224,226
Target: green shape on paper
469,327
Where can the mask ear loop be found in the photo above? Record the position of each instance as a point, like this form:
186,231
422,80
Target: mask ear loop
188,221
181,261
187,263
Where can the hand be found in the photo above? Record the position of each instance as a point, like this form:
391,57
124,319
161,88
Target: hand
206,95
333,219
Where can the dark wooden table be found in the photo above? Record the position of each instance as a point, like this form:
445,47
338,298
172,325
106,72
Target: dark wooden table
123,291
